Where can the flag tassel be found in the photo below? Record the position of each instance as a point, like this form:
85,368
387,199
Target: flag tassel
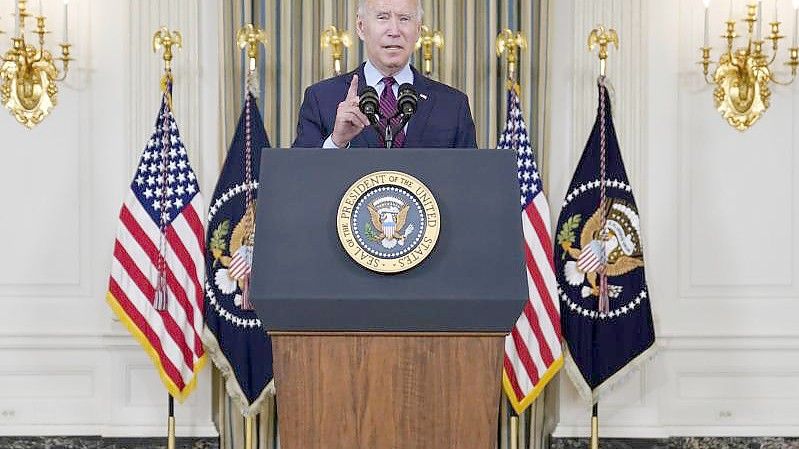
604,300
246,304
161,292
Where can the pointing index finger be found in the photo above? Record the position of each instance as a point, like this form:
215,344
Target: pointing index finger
353,92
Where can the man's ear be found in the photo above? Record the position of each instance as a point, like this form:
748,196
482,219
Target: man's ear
359,26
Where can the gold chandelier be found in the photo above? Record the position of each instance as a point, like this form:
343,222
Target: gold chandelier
28,73
743,74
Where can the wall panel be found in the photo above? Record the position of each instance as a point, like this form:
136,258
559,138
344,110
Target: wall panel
718,209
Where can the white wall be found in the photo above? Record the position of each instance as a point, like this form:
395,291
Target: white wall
719,209
66,366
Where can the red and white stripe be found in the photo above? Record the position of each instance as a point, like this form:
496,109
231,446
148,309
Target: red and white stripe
588,261
533,351
171,336
239,265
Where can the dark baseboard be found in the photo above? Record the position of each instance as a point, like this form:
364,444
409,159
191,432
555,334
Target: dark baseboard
680,443
91,442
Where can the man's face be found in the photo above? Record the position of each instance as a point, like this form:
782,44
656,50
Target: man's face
389,29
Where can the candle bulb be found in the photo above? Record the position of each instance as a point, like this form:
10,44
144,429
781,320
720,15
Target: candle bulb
795,23
707,22
730,9
66,21
776,11
759,35
40,9
16,18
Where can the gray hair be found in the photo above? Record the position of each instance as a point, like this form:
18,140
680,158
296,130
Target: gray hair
419,9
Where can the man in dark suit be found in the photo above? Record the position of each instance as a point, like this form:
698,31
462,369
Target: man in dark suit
330,116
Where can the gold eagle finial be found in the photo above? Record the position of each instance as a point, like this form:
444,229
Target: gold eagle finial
600,37
510,44
163,38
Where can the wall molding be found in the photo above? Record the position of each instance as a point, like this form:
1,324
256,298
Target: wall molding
117,431
615,431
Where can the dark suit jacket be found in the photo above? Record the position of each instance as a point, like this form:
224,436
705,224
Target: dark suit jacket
443,120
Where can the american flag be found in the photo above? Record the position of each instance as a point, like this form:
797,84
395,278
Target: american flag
158,268
532,351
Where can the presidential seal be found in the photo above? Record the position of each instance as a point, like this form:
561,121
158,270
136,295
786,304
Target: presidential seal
388,221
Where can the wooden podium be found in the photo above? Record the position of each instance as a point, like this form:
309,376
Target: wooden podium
372,361
383,391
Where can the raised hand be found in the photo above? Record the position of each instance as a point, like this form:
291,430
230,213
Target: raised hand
350,121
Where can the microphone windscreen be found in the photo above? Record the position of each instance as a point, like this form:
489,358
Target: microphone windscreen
369,103
407,99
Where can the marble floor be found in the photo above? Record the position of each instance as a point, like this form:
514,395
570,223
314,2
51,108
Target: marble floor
103,443
681,443
557,443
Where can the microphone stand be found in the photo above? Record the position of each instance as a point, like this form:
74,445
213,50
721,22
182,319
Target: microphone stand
389,133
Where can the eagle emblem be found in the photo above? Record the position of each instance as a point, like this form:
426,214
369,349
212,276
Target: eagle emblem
388,217
235,257
616,249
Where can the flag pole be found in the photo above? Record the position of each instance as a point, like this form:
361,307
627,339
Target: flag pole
249,37
602,38
595,426
165,39
170,424
508,43
514,430
248,428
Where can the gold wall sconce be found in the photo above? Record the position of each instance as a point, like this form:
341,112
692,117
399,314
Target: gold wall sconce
28,74
743,74
429,39
337,40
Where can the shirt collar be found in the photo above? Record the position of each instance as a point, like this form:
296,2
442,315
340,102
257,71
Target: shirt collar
373,76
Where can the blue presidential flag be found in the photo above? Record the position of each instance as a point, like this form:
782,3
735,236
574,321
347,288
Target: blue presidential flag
606,318
233,334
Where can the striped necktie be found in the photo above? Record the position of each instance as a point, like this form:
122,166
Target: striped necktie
388,108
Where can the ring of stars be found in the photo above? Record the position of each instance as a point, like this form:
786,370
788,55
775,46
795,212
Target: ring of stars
582,188
226,315
593,314
231,318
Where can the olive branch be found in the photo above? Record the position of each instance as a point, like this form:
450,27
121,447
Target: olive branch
218,240
567,233
370,232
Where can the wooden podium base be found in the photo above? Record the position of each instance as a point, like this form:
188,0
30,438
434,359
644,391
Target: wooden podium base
392,391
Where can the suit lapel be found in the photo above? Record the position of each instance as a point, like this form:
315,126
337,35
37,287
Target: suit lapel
369,137
424,107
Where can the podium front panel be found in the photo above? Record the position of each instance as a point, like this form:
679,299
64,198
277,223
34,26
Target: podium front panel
473,281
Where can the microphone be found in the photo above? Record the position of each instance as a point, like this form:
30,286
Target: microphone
369,104
407,100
